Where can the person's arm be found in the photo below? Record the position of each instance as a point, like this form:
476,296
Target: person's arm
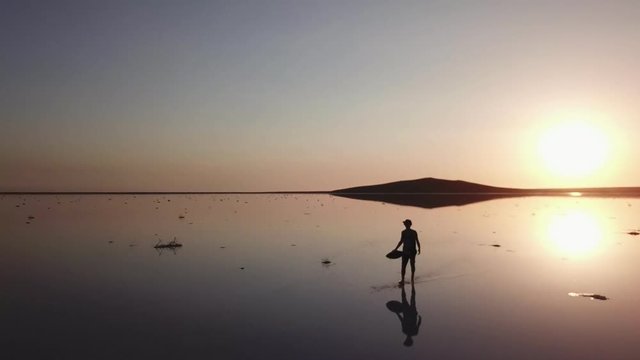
418,242
399,243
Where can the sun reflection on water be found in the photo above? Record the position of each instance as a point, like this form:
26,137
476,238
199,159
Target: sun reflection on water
575,233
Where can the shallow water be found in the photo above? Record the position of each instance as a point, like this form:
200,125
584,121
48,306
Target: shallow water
81,280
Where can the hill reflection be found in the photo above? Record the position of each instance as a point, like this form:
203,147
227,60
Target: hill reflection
428,201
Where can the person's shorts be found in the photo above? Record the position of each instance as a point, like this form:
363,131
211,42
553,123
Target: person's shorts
409,255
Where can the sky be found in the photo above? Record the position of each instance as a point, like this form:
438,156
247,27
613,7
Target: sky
313,95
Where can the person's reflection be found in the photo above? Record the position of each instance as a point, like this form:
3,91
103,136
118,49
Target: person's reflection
408,315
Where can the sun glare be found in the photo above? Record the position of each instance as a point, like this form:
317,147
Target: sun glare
573,149
576,233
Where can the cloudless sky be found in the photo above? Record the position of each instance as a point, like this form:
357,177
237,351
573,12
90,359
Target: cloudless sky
309,95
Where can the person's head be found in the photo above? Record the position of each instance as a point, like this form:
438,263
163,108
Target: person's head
407,223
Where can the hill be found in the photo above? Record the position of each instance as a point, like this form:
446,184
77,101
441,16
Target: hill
433,193
427,186
441,186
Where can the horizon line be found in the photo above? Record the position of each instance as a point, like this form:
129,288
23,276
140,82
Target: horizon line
540,191
341,190
158,192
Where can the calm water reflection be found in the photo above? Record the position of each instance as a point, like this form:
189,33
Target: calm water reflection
407,313
576,232
81,279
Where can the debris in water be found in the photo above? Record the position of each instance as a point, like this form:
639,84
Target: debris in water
634,233
181,217
171,244
31,217
496,245
589,295
326,262
242,268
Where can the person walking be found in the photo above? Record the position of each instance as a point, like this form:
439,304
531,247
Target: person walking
410,248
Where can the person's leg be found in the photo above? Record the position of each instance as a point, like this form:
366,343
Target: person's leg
405,259
413,267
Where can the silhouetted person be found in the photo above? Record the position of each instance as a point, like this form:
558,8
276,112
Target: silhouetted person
410,247
407,314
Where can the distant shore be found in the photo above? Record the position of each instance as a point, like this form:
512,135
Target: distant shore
158,192
435,186
424,186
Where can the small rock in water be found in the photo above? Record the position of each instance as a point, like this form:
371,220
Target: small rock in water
634,233
242,268
496,245
31,217
589,295
326,262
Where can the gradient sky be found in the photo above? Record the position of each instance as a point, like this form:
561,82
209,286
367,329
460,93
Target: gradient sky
309,95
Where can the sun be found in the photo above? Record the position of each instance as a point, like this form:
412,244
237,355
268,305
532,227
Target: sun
573,149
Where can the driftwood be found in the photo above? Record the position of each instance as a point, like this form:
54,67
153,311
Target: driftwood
170,245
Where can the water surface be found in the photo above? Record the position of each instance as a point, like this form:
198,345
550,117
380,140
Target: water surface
81,279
